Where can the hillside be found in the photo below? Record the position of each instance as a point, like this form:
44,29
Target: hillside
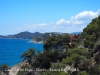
37,36
91,33
23,35
26,35
45,36
81,59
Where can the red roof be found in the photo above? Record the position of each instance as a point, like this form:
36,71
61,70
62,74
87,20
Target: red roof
73,37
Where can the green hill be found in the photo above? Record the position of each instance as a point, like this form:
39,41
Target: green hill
91,33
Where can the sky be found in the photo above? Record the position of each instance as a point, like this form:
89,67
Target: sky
64,16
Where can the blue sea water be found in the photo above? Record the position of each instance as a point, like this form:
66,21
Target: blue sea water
11,50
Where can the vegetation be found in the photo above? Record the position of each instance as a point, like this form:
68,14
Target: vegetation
4,69
85,59
24,70
28,55
91,33
44,37
74,60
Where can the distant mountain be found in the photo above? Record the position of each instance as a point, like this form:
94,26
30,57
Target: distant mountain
75,33
2,36
23,35
29,35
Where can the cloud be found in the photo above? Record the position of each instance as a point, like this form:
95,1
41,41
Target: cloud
62,21
84,17
74,24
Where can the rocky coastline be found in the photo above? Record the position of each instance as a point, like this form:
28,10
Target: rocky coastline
37,42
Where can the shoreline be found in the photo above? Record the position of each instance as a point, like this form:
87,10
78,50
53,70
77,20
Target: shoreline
32,41
14,69
15,38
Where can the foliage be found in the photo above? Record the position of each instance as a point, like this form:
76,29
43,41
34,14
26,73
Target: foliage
54,73
78,51
57,42
57,65
82,73
85,61
68,61
3,68
91,33
45,59
53,51
98,69
28,55
77,57
24,70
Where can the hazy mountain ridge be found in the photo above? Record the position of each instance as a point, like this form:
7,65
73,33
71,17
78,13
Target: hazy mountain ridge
75,33
22,35
29,35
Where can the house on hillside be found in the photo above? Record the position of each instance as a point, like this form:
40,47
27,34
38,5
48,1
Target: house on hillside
73,38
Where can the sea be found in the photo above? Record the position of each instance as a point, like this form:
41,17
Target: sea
12,49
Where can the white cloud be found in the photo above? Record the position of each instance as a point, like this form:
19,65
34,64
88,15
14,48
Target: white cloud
43,24
85,14
84,17
62,21
75,23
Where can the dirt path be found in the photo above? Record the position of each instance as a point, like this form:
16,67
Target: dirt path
14,70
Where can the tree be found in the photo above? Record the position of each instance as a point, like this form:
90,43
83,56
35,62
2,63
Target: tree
54,73
82,73
76,57
24,70
68,61
42,61
57,42
91,33
4,68
28,55
57,65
